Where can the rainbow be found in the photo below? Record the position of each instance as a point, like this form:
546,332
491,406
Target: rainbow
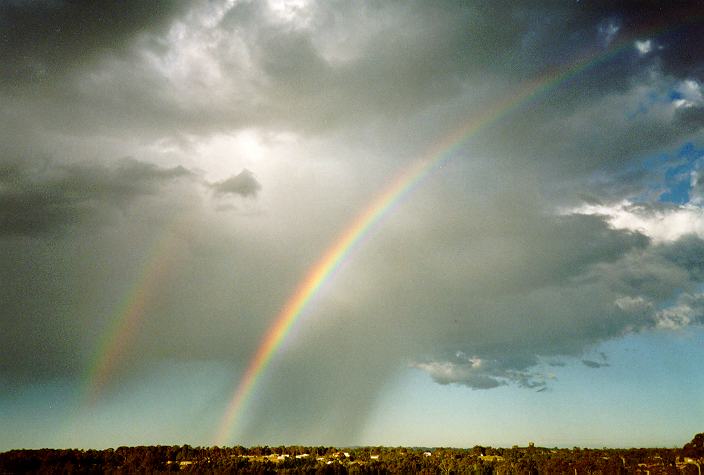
385,201
115,341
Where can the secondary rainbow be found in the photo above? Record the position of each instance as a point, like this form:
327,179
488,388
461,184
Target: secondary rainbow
115,342
365,222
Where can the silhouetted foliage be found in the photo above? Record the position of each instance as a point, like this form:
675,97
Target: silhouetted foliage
321,460
695,448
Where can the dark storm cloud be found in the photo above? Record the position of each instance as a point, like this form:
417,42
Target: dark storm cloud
40,41
593,364
512,244
409,56
429,52
674,28
690,118
474,287
49,197
242,184
688,254
545,303
406,58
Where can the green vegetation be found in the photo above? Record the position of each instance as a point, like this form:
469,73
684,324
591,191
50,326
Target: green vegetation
358,460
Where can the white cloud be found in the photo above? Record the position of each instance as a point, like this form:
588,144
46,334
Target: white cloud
661,225
674,318
691,94
447,372
688,310
609,30
634,305
483,373
643,47
685,311
293,12
697,184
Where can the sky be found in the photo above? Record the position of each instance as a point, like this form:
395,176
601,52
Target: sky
504,200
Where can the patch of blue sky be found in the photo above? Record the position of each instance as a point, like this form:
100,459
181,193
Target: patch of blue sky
671,95
666,177
650,372
678,176
677,192
664,97
36,413
675,95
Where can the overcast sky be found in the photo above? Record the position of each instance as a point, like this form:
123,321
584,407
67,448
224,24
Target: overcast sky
171,171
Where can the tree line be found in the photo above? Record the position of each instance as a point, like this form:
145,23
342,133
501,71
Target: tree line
295,460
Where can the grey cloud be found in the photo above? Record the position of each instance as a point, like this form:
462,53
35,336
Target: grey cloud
688,254
478,373
690,118
209,287
434,52
688,310
593,364
242,184
695,301
413,67
643,274
43,40
584,146
677,29
449,372
34,202
510,244
475,292
551,302
412,58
